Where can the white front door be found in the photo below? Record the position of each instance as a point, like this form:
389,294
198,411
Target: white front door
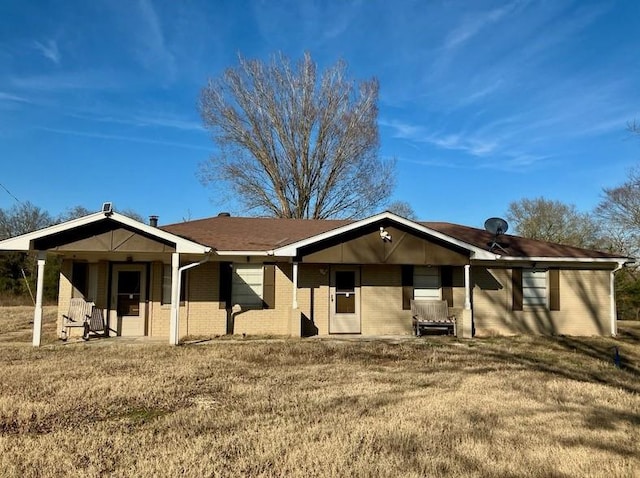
127,316
344,301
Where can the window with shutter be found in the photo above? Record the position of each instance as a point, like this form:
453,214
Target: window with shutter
247,285
426,283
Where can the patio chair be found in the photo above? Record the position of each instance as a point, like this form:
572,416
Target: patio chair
79,315
432,315
96,322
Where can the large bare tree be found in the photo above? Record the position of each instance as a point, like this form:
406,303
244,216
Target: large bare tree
620,211
292,143
554,221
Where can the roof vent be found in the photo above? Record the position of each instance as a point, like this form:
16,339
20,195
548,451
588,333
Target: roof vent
224,214
153,221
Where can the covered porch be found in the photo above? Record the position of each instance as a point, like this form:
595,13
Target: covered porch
110,261
362,280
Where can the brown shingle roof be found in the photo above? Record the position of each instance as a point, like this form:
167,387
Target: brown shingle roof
251,233
263,234
513,245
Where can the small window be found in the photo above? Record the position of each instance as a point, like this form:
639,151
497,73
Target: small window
166,285
534,288
426,283
246,285
80,279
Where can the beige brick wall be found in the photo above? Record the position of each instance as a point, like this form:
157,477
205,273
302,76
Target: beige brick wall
380,298
65,290
313,298
381,301
458,289
101,299
584,302
201,314
158,320
584,305
270,321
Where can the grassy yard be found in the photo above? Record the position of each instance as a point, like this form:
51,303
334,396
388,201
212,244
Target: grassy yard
502,407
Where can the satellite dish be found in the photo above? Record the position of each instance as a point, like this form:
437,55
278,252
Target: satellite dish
496,225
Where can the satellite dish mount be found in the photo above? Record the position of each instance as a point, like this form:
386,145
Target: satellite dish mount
496,226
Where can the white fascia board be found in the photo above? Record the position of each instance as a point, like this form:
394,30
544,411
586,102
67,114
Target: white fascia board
23,242
183,246
291,250
591,260
243,253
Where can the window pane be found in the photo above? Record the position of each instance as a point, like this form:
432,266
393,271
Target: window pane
79,277
128,293
345,281
129,282
426,283
426,294
534,287
166,285
246,286
345,303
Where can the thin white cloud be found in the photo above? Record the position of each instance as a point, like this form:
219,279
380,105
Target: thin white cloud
167,122
162,121
49,50
451,141
69,80
11,97
152,50
473,25
114,137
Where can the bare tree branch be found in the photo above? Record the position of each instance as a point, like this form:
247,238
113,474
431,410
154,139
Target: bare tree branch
554,221
292,145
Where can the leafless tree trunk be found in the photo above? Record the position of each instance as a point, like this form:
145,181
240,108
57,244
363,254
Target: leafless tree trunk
292,145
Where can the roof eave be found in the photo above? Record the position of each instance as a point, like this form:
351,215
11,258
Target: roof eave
25,241
601,260
291,250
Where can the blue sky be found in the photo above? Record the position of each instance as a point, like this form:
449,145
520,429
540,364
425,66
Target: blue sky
481,102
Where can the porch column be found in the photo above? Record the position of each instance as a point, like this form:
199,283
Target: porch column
37,314
467,287
175,299
612,299
295,286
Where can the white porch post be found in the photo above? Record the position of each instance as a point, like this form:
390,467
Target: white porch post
612,298
295,286
467,286
175,299
37,314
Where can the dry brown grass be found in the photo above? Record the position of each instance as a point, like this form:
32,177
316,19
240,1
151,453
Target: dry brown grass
16,324
437,407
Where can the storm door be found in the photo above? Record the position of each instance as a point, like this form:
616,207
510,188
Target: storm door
128,300
344,317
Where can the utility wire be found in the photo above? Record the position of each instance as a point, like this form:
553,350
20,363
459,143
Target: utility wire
10,193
